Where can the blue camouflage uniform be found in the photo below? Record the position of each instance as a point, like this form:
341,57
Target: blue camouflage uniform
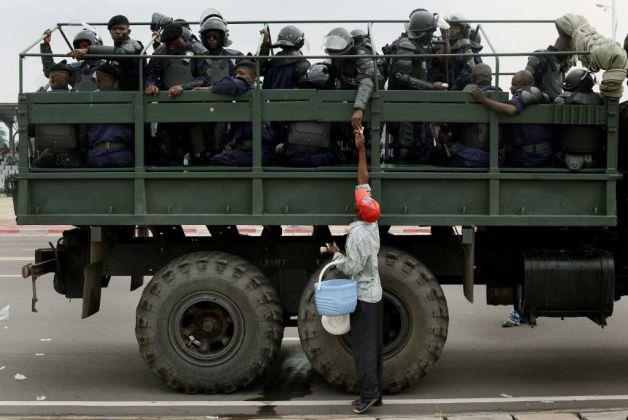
530,145
240,146
472,148
174,138
108,145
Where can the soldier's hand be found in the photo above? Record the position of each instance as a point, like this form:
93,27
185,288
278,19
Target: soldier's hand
359,139
356,119
478,95
157,37
78,54
439,86
48,36
175,91
151,90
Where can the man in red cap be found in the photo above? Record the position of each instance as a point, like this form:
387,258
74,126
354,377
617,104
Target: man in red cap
360,262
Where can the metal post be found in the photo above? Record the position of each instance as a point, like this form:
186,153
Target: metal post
256,121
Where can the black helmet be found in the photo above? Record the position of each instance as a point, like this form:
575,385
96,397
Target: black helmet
159,21
458,20
319,76
579,80
86,35
214,24
422,22
338,41
213,14
290,36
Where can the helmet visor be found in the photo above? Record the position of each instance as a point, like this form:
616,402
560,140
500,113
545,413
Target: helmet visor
335,44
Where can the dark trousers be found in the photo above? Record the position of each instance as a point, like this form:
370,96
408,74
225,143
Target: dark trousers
367,342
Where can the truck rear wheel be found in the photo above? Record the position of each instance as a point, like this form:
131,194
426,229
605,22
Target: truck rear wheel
415,326
209,322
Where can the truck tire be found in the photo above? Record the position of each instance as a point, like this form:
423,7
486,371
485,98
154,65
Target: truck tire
415,326
209,322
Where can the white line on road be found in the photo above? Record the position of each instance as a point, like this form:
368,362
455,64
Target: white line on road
10,275
427,401
16,258
291,339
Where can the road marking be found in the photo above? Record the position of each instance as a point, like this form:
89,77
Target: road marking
388,402
291,339
10,275
16,258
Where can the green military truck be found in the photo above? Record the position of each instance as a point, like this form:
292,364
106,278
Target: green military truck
548,241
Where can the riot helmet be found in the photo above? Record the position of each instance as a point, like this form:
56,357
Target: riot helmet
338,42
422,22
214,24
459,21
213,14
86,35
579,80
159,21
290,37
319,76
360,37
210,13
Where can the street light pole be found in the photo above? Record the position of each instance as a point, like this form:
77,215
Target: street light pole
614,17
613,8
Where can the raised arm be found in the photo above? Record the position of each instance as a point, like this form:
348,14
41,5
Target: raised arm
363,172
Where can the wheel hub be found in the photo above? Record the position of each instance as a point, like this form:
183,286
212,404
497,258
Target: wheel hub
206,328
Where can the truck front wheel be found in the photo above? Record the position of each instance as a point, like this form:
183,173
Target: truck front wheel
415,326
209,322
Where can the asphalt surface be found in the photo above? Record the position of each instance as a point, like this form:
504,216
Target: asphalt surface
92,367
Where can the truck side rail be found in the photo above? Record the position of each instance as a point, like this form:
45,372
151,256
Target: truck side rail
410,195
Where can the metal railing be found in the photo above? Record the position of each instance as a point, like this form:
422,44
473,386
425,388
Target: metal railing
139,101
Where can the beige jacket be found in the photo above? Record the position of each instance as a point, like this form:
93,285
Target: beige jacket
604,53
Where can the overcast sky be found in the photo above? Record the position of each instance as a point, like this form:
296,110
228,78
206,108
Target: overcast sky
23,22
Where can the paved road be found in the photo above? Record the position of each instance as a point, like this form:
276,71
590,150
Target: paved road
483,368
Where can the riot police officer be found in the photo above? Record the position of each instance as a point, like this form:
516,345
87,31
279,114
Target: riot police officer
350,74
529,145
215,37
119,28
56,144
159,21
459,68
308,144
108,145
471,150
549,70
287,69
409,142
82,72
177,75
580,146
239,149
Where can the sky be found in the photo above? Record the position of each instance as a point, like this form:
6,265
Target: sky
23,25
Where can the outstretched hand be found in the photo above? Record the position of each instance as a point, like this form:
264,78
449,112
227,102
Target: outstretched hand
359,139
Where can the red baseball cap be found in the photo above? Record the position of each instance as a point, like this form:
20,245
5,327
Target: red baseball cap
367,206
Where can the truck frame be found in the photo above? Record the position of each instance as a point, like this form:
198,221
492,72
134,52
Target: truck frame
548,241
